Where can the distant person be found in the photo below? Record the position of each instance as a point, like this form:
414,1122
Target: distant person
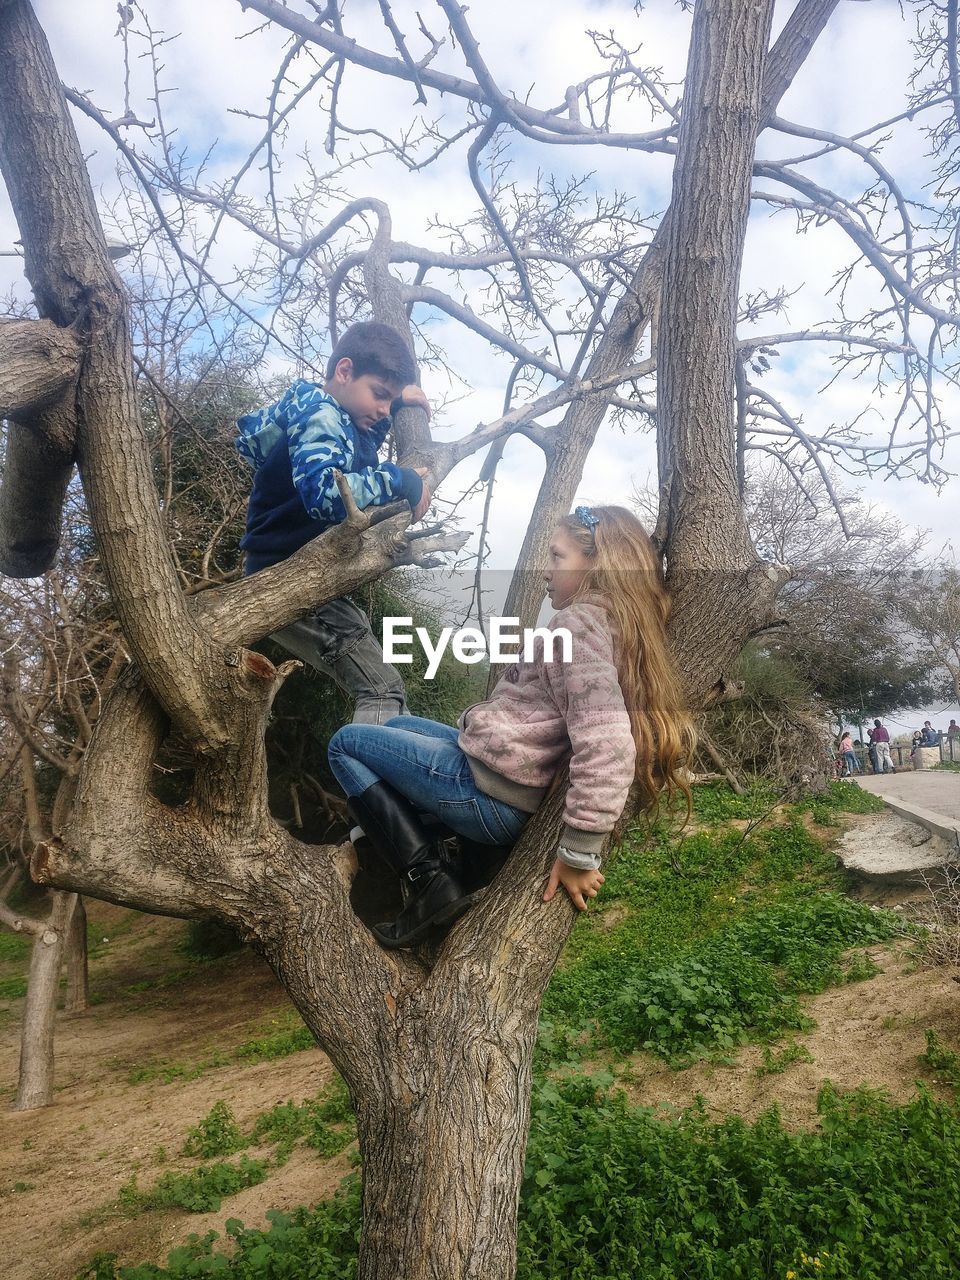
953,730
880,739
929,737
851,764
872,754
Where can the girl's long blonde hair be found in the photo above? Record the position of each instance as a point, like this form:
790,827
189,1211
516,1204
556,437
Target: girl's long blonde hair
625,570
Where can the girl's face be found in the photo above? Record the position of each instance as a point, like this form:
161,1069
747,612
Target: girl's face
566,568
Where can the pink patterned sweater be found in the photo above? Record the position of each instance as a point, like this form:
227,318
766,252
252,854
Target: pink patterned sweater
540,711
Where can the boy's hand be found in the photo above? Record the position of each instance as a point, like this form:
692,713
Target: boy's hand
420,510
580,885
413,398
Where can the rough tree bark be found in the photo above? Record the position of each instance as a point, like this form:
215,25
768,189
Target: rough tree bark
436,1049
722,593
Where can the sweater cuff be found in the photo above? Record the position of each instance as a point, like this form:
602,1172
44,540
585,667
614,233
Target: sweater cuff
410,486
579,861
582,841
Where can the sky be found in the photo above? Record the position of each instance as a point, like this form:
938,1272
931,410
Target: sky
222,65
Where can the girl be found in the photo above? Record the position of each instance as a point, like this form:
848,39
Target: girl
616,710
851,764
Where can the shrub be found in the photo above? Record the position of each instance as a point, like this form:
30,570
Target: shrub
199,1191
218,1134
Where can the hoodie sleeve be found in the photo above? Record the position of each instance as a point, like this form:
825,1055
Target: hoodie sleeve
588,694
321,444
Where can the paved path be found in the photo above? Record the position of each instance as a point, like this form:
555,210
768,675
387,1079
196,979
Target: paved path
928,796
930,788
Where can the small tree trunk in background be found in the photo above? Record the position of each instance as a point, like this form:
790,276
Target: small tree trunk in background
35,1086
78,978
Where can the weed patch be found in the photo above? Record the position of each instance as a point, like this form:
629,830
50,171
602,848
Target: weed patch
199,1191
277,1044
721,935
938,1058
613,1190
218,1134
715,802
839,797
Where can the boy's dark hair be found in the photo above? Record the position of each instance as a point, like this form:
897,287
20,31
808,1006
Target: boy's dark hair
375,348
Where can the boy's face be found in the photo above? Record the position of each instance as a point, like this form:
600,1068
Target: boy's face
366,398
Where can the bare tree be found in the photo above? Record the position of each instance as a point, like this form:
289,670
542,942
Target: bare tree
436,1047
927,605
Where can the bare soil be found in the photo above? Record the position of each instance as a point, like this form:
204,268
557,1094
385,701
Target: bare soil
72,1158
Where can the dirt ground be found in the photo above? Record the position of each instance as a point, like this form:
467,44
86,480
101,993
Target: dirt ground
61,1168
71,1159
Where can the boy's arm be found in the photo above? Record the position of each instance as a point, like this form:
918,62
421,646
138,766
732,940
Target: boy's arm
319,447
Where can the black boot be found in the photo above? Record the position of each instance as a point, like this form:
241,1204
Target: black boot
433,897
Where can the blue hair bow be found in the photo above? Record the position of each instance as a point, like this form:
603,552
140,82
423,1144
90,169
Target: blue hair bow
586,517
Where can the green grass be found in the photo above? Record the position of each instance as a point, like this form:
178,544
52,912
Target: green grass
839,797
264,1048
199,1191
12,988
715,802
611,1190
325,1123
14,946
719,936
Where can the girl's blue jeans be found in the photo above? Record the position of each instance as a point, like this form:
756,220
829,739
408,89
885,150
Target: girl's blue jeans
421,759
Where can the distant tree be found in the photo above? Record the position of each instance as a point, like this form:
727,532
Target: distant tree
928,603
841,635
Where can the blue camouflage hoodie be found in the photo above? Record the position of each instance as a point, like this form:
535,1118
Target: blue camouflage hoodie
294,447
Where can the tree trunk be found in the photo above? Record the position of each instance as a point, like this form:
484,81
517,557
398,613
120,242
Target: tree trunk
722,593
443,1143
35,1085
572,440
78,973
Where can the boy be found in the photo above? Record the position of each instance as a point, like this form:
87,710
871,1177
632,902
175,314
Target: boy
295,446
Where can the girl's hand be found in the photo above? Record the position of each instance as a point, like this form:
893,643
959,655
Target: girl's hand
580,885
412,396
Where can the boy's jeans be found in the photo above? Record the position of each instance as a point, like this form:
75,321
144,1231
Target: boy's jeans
337,640
421,760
